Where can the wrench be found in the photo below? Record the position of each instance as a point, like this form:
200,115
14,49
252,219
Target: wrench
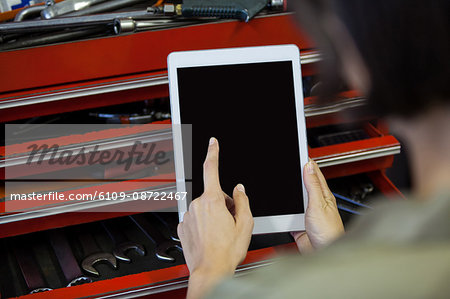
163,245
361,190
121,242
67,262
29,268
71,22
170,223
93,254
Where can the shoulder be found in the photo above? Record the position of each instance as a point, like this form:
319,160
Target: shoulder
364,271
403,222
402,250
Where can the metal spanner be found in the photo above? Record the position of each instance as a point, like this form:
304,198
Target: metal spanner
170,223
93,254
121,242
163,244
29,268
66,259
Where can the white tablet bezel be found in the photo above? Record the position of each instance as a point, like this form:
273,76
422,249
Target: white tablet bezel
230,56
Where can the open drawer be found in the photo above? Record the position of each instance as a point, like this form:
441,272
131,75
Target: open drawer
344,139
158,270
154,278
358,194
342,150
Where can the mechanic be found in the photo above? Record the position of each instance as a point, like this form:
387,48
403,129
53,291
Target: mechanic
396,52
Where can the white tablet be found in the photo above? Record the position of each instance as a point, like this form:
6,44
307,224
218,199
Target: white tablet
251,100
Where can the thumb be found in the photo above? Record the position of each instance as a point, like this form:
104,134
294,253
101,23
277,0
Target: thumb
312,184
243,215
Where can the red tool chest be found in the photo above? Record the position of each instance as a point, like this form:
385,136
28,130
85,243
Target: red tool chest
101,72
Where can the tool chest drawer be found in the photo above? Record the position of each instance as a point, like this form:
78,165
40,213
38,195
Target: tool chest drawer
360,146
113,70
145,247
132,240
344,139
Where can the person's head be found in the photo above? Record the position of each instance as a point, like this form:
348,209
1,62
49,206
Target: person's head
396,52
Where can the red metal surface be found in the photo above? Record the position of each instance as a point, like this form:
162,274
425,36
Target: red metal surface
28,169
128,57
179,293
135,53
334,119
355,147
342,149
81,103
343,95
382,182
83,84
55,221
357,167
372,131
100,136
383,126
94,214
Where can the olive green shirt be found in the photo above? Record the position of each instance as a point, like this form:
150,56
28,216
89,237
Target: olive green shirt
402,250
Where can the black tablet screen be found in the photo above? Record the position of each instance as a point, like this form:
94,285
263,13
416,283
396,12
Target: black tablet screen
250,109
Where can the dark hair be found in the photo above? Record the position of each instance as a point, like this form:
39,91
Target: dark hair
404,44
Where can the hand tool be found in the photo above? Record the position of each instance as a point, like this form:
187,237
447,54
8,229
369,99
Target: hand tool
278,3
67,6
122,25
121,118
31,11
29,268
170,223
242,10
93,254
348,210
121,242
104,7
71,22
360,191
10,14
338,196
163,245
66,259
53,37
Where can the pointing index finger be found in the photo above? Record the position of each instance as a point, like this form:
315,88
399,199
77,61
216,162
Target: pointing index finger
211,167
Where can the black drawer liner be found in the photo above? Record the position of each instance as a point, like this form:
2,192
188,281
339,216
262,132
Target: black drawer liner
13,284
